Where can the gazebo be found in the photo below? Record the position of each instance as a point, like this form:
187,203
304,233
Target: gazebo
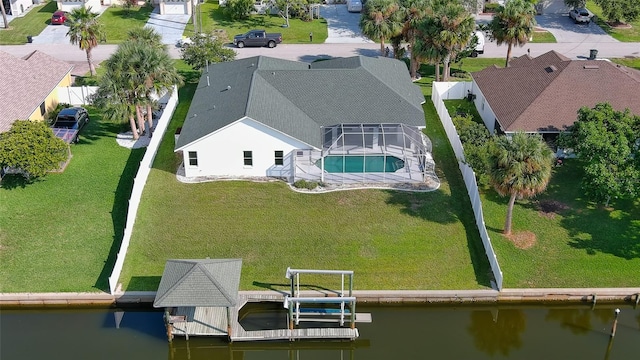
197,294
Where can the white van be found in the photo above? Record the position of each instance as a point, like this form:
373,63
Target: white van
354,6
480,46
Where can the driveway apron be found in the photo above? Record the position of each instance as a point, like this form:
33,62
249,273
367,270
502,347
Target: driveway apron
343,26
170,27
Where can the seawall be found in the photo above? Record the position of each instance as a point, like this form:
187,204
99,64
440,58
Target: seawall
506,296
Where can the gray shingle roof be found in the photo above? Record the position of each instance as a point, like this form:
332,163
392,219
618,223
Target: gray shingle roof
545,93
27,82
296,98
199,282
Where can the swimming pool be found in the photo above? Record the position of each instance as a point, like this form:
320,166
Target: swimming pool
360,163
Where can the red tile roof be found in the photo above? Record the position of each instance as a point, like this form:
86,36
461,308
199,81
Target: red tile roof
26,84
545,93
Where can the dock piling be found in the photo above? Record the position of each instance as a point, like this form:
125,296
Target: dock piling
615,322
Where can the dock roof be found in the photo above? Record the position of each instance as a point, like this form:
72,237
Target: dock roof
199,282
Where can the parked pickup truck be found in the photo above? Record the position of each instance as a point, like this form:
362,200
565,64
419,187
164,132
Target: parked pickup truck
69,122
257,38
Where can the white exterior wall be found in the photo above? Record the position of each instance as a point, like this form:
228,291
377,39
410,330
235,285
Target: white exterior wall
20,6
69,5
221,153
484,109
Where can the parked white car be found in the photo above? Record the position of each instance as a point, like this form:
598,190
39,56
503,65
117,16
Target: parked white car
580,15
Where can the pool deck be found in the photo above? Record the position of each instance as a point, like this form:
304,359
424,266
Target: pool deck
630,295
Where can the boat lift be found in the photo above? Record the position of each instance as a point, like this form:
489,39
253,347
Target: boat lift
347,309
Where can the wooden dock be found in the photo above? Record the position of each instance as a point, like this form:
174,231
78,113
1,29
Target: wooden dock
212,321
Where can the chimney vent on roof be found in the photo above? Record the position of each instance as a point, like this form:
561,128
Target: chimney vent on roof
551,69
591,67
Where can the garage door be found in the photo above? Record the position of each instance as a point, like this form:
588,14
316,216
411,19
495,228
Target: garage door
174,8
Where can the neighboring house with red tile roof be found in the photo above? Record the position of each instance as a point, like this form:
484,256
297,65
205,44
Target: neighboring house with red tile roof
30,86
543,94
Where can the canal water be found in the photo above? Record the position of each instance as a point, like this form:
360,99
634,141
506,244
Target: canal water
397,332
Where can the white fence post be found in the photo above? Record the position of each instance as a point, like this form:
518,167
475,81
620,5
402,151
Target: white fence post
458,90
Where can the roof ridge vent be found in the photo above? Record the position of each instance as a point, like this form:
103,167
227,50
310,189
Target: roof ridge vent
590,67
551,68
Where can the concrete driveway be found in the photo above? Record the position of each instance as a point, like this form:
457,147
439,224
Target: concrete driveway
555,19
52,34
170,27
56,34
342,25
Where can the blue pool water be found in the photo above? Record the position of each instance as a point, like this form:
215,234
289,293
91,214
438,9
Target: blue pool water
360,164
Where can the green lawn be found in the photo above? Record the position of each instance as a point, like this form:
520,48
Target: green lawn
543,37
213,18
31,24
62,233
580,244
632,63
118,21
626,35
393,240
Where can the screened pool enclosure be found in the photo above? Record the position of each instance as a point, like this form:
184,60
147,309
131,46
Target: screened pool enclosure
368,153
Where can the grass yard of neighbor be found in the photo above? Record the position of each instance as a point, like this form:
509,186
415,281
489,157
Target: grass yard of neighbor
563,240
213,18
118,21
543,37
61,234
31,24
627,34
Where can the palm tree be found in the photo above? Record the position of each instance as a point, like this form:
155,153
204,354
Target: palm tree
456,29
414,12
444,33
519,166
513,24
427,46
86,31
381,19
5,23
146,35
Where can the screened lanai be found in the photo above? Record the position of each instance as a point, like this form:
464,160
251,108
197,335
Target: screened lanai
368,153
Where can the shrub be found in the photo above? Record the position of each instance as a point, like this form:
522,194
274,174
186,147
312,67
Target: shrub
239,9
303,184
491,7
475,138
53,112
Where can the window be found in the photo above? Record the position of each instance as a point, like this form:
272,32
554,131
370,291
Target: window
248,158
279,157
43,109
193,158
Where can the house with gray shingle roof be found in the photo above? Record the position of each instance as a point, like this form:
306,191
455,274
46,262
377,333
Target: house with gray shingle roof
251,116
31,86
543,94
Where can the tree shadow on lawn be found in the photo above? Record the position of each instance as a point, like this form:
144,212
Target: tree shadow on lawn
119,214
615,232
255,21
141,13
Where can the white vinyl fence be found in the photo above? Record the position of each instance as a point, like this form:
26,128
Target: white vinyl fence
75,95
139,183
458,90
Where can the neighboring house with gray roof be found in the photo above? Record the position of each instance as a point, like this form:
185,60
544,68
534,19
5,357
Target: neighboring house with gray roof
543,94
30,86
248,117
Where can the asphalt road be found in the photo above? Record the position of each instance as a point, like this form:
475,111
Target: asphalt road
574,41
